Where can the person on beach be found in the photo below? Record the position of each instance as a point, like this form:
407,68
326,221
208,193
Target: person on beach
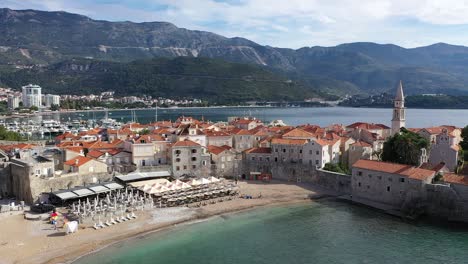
54,218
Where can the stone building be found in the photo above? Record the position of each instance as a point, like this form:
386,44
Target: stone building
388,185
442,150
189,158
223,161
27,176
218,138
83,165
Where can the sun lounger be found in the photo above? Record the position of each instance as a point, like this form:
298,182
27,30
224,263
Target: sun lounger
128,217
101,225
133,215
107,223
113,221
96,227
118,220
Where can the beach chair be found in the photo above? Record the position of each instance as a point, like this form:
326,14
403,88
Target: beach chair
107,223
113,221
133,215
128,217
118,220
101,224
96,227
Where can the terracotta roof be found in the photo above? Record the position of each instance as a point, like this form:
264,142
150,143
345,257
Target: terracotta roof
454,178
100,145
185,143
94,154
211,133
367,126
259,150
284,141
16,146
76,149
215,149
244,132
298,133
394,168
77,161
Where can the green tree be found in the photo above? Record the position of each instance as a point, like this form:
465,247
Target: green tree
340,168
464,135
33,108
54,107
404,148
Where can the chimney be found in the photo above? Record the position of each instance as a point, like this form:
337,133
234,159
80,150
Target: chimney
77,161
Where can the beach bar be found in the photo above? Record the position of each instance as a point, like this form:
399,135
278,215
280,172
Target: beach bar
62,197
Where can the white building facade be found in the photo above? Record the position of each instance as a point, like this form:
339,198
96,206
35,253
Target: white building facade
32,95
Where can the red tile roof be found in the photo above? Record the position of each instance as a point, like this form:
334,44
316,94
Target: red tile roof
185,143
77,161
394,168
215,149
94,154
454,178
284,141
298,133
367,126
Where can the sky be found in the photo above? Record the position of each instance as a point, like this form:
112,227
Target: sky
288,23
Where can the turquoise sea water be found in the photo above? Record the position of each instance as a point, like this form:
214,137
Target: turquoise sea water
326,232
322,116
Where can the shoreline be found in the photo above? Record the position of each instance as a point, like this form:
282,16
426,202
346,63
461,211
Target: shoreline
25,241
169,227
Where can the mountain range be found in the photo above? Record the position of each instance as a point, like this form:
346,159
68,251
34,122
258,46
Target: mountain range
36,44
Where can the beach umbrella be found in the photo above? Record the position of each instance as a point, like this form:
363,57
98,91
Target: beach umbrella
73,207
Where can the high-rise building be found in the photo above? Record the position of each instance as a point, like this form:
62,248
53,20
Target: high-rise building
51,99
32,95
13,102
398,120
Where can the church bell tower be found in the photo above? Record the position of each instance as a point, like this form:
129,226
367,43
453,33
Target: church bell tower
398,120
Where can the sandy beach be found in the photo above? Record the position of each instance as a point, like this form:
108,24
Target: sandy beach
23,241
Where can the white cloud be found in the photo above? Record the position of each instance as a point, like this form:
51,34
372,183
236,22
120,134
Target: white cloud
291,23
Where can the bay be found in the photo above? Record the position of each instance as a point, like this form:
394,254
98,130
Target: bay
323,116
327,232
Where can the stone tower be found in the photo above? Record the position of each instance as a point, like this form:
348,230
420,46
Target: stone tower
398,120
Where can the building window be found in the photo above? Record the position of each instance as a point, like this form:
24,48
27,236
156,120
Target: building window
260,158
300,151
368,186
359,184
185,167
316,162
194,166
276,159
370,175
276,150
204,163
194,151
194,158
284,150
177,168
317,152
177,152
390,179
359,173
402,179
388,188
177,160
253,158
379,177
